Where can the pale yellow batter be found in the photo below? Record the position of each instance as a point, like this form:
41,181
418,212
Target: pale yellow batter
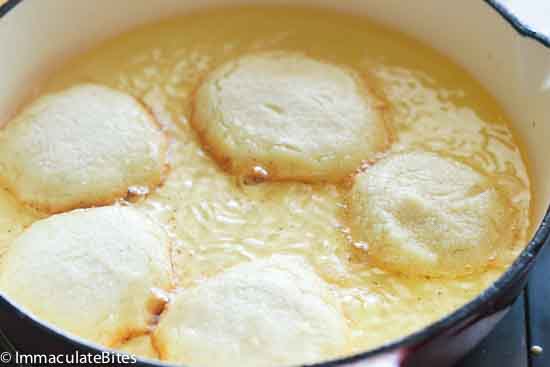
217,220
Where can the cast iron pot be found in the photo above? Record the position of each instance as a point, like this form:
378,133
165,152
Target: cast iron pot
508,56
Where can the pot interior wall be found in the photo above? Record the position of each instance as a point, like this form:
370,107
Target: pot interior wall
38,35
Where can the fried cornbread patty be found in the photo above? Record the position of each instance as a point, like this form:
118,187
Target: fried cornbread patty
84,146
269,312
284,116
94,272
420,213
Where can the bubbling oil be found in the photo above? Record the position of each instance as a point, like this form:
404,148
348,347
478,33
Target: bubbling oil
217,220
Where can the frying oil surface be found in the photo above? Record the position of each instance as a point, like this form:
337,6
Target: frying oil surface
218,221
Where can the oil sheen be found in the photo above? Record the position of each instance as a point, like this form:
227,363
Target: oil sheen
218,221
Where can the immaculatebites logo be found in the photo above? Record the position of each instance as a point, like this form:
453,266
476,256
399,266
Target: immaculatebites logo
74,359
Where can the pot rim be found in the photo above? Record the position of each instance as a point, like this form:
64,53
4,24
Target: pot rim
489,296
520,26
